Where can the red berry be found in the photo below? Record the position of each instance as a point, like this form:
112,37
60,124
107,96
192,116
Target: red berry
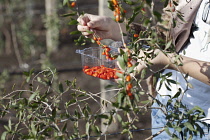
135,35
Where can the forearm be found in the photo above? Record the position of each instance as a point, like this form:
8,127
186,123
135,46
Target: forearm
197,69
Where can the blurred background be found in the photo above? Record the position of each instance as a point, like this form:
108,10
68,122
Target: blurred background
34,35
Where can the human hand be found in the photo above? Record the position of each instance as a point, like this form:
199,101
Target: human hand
102,26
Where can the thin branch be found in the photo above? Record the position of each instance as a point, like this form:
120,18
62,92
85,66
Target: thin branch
158,133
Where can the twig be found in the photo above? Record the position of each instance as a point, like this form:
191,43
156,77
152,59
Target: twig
151,137
15,92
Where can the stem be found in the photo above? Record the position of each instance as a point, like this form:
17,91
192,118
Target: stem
151,137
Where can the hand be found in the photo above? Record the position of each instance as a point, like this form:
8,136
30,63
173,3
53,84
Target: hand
103,26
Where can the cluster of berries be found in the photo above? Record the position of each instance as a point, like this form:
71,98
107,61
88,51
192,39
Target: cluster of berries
108,73
106,48
117,10
101,72
129,86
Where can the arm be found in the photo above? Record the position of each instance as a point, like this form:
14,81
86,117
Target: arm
197,69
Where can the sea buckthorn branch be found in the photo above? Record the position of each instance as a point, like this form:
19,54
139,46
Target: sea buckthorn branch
128,95
118,11
128,85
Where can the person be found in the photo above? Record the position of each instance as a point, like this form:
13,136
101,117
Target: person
191,39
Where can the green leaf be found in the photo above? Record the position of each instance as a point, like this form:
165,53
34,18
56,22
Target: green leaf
189,126
95,129
197,108
129,2
120,75
54,113
65,2
120,98
177,94
10,124
177,128
168,45
32,96
75,32
69,14
145,102
143,73
3,136
103,116
157,15
167,131
73,22
61,90
125,131
121,61
87,128
119,118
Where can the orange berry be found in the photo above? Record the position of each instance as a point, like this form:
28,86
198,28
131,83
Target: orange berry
115,13
85,67
106,53
129,86
115,2
129,64
117,9
107,49
135,35
128,78
105,46
115,76
94,38
117,17
73,4
107,57
98,42
103,53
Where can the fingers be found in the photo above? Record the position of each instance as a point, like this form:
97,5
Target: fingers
99,24
86,23
84,29
83,19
